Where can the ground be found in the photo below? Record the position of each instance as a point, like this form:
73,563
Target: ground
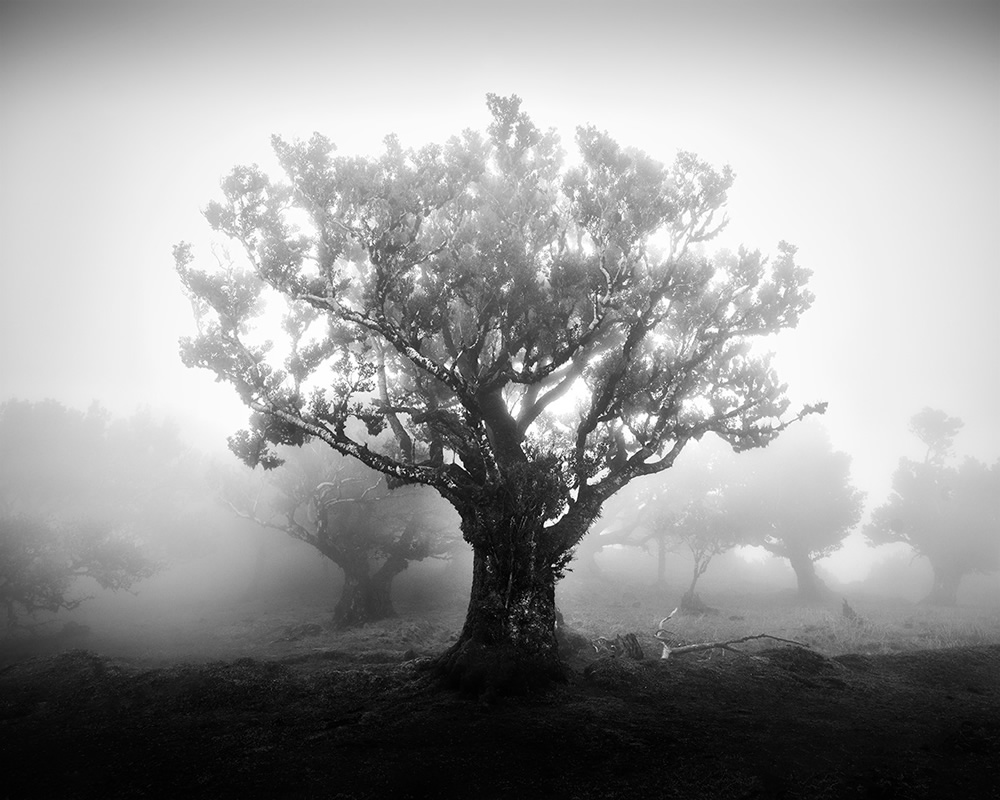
904,703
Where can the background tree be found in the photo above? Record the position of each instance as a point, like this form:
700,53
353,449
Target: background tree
937,431
42,562
348,513
535,337
948,514
639,516
707,524
796,500
81,496
685,508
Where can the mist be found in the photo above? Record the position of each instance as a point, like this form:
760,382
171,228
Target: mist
117,115
649,421
225,577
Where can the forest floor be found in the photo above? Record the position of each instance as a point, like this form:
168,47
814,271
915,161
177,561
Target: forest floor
903,703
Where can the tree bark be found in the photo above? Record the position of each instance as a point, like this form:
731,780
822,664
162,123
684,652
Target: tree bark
945,589
367,597
811,586
362,600
508,643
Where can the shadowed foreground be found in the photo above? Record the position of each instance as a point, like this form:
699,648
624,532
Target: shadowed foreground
791,723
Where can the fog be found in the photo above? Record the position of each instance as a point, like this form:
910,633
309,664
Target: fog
206,566
867,134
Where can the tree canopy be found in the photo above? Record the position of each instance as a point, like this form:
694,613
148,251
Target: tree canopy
534,334
948,513
796,500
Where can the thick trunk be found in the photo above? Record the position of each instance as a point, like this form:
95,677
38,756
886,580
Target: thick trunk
945,589
365,598
811,587
508,642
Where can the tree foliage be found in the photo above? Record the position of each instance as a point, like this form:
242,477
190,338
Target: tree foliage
948,513
486,281
535,336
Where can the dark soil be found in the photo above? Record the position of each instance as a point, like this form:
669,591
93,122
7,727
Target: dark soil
789,723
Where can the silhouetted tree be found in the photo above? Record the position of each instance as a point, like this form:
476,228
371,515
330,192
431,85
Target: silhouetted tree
535,338
348,513
948,514
796,500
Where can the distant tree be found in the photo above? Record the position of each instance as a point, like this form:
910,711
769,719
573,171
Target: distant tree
937,431
41,563
636,517
948,514
707,525
75,502
535,338
349,514
796,500
685,508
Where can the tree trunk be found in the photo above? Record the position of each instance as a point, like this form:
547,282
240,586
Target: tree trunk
945,589
508,643
691,603
811,587
365,598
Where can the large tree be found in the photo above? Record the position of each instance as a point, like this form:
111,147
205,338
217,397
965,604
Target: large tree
948,514
350,515
534,336
795,498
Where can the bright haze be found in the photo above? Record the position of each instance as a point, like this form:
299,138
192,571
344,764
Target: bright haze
867,134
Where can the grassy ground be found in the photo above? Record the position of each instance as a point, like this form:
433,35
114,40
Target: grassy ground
266,700
883,625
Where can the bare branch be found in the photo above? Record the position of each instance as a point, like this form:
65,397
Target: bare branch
662,635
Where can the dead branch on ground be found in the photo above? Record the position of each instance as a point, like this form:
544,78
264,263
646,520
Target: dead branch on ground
661,635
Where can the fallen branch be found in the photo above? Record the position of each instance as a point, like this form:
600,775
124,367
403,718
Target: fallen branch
661,635
694,648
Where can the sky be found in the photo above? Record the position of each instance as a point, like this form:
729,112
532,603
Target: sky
865,133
